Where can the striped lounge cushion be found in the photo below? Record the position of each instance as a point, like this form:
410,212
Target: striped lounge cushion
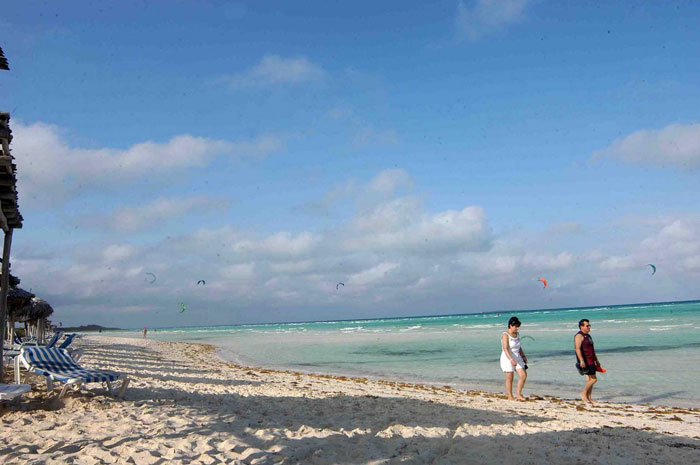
57,364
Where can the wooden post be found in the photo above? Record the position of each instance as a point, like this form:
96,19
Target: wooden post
4,288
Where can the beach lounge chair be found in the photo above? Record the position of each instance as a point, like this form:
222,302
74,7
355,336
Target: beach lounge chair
67,341
74,353
57,365
52,342
10,391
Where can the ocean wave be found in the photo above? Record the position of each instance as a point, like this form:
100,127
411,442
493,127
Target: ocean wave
411,328
352,329
669,327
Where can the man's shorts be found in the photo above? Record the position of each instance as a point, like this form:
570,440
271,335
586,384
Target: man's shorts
586,369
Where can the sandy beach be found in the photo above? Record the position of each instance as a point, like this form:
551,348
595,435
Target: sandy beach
185,405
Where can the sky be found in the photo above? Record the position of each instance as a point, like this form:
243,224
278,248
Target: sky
434,157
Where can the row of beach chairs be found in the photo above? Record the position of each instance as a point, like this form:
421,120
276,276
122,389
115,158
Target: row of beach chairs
56,364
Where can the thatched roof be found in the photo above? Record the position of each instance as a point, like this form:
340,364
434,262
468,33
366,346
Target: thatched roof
37,308
18,297
8,179
14,280
3,61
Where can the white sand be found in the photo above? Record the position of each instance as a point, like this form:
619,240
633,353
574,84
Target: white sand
184,405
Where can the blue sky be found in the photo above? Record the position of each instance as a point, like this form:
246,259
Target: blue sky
436,158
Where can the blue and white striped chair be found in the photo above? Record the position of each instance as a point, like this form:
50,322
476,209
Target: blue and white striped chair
57,365
75,354
52,342
67,341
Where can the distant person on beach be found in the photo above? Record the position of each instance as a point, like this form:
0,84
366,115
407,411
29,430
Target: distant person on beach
144,332
586,361
513,359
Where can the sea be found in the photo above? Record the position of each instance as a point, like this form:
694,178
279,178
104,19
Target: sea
651,351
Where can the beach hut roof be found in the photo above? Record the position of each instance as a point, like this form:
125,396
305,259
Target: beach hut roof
8,179
3,61
18,297
14,280
36,309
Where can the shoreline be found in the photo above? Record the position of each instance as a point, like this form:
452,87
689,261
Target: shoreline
495,387
498,388
555,390
186,405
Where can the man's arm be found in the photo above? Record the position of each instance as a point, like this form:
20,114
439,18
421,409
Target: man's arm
578,340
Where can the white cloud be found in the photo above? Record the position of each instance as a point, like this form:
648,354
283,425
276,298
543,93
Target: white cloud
674,248
275,70
401,224
281,244
380,188
388,181
393,256
675,145
371,275
487,16
117,252
677,239
527,262
136,218
51,171
618,263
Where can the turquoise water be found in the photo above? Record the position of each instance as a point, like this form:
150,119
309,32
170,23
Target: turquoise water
651,351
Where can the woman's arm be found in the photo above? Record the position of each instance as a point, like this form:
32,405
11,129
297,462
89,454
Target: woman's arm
505,346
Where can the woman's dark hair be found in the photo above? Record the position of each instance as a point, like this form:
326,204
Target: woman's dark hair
513,321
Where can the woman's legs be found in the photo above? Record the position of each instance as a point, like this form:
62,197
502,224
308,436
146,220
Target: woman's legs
522,376
509,384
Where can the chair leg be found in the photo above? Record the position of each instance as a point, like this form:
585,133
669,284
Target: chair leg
17,375
63,391
49,385
122,389
109,388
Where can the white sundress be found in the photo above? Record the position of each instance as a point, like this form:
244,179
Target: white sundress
514,344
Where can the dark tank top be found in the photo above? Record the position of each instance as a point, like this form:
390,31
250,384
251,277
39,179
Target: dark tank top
587,348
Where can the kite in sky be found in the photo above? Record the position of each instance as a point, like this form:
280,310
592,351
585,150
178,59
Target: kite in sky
339,284
653,272
182,304
543,281
201,281
151,275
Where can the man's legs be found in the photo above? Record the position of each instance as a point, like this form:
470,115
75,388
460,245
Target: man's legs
588,390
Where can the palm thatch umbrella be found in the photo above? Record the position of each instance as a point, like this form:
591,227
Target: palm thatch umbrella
35,314
3,61
16,299
36,309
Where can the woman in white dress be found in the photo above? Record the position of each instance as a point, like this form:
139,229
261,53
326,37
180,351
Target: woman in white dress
513,359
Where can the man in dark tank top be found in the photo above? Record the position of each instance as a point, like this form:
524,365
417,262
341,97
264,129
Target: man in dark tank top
586,360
